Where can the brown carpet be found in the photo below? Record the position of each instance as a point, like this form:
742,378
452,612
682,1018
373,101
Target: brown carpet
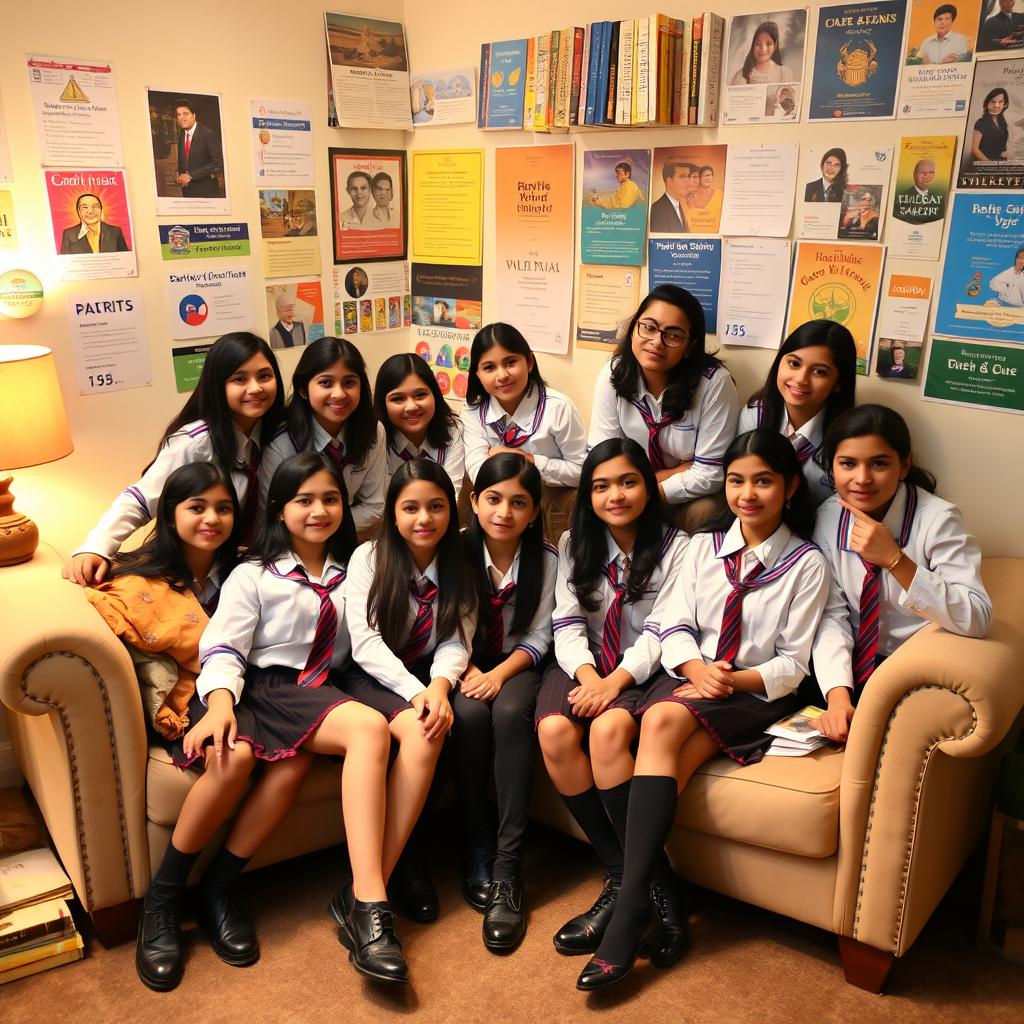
745,964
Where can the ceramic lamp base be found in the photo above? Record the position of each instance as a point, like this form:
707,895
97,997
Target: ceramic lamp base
19,536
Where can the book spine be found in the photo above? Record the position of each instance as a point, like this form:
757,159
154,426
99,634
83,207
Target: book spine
23,936
485,83
665,73
624,80
693,106
680,57
608,116
711,81
581,106
553,68
578,74
563,93
9,961
530,95
38,966
592,73
641,73
540,123
601,85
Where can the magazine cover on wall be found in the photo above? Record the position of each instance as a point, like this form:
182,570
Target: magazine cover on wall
295,313
921,195
844,192
687,190
443,97
616,184
371,298
188,152
368,211
764,67
857,61
291,245
992,155
1002,26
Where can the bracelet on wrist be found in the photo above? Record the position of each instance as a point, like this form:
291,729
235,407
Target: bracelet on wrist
896,561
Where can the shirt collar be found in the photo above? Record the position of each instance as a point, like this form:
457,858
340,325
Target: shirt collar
812,430
85,230
430,573
401,443
289,562
893,520
615,553
523,416
321,439
768,552
512,576
242,440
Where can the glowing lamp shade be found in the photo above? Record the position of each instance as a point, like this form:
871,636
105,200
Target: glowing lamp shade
33,430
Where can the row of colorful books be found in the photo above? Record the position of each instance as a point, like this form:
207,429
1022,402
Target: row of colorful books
657,70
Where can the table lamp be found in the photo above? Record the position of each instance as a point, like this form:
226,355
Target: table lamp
33,430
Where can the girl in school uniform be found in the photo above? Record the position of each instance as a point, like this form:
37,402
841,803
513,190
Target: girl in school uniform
900,557
745,607
614,568
515,572
410,610
235,409
331,411
663,390
510,408
418,422
812,380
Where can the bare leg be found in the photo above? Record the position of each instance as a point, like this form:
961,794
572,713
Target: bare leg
663,730
697,748
561,744
610,737
213,797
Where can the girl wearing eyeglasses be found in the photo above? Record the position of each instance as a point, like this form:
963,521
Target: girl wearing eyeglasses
663,390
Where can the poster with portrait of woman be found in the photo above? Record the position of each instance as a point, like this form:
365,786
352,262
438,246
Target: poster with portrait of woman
992,156
764,67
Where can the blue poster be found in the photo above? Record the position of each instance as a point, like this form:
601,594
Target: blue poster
692,263
857,61
502,84
616,184
983,280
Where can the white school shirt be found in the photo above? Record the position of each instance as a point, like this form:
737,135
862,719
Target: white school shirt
778,619
369,651
813,431
946,588
701,434
451,457
578,631
136,505
536,641
558,440
265,619
365,483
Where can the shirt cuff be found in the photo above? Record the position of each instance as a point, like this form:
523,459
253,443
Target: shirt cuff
675,489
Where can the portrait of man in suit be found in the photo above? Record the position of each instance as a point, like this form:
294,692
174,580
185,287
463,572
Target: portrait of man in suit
91,234
287,332
668,213
200,156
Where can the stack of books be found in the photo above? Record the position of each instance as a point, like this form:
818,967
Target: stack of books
796,734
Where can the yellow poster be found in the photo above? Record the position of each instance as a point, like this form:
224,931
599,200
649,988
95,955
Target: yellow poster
447,206
8,234
832,281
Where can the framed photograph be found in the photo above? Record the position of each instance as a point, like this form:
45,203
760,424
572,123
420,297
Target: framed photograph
369,216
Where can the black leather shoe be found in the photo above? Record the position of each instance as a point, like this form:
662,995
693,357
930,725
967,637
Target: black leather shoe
412,891
367,931
505,915
476,879
230,931
671,936
159,958
583,934
600,974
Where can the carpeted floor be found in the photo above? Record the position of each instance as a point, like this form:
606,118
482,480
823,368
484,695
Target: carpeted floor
745,964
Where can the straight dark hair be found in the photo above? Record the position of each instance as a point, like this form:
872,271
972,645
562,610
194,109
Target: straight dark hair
508,338
272,538
588,548
209,401
827,334
627,376
360,429
161,555
495,470
770,29
880,421
393,371
388,608
778,453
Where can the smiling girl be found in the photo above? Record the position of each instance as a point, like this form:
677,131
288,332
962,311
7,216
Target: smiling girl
763,63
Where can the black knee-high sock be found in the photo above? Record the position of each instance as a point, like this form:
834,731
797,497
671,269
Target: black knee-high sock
590,815
223,873
616,803
652,809
168,883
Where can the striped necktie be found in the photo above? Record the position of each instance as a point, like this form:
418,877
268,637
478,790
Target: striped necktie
424,594
510,434
336,453
251,468
865,649
611,638
318,662
803,448
405,455
729,635
654,429
494,639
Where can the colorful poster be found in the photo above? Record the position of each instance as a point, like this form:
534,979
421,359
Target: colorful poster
902,323
760,182
188,365
108,333
189,165
370,298
975,374
992,155
692,263
8,231
982,294
447,296
76,112
502,84
368,78
291,243
755,276
282,143
368,212
295,313
687,191
446,351
844,192
92,225
203,241
923,178
209,303
857,61
764,67
448,206
6,173
841,283
608,298
443,97
936,74
534,237
613,218
1002,26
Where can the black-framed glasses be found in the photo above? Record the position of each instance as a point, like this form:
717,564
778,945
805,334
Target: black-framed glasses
671,337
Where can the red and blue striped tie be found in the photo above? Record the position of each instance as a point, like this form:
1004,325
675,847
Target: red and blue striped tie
334,452
494,639
654,429
424,594
318,663
865,650
729,636
608,656
803,448
510,435
250,507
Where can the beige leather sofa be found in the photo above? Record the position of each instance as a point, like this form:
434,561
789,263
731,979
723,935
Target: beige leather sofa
862,843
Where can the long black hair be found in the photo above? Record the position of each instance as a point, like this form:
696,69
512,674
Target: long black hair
393,371
508,338
827,334
1000,118
769,28
530,582
683,378
588,547
209,401
272,538
161,556
879,421
388,608
360,429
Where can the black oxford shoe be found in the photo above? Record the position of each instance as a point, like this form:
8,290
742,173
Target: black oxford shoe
505,915
600,974
367,931
671,936
159,958
476,878
583,934
230,931
412,892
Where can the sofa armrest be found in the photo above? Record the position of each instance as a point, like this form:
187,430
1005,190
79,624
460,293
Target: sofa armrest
77,729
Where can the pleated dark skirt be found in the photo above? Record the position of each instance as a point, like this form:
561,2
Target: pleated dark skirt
363,687
553,697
